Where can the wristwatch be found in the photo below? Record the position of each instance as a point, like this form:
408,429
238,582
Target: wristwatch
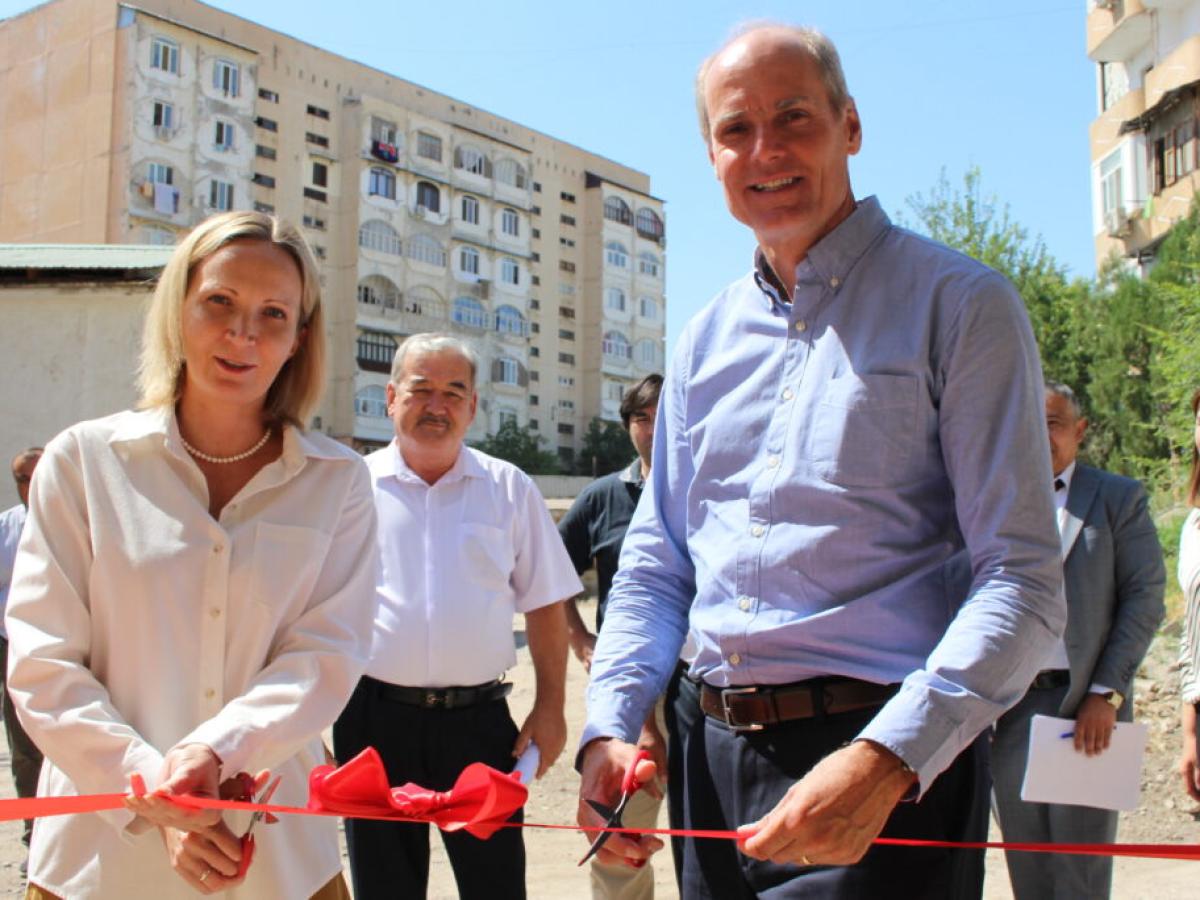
1114,698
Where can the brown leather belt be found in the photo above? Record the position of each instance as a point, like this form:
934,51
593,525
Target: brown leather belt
754,708
1051,678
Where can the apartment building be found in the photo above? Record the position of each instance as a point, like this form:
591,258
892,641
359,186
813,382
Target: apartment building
128,123
1144,156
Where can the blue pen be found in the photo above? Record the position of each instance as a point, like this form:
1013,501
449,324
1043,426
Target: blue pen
1067,734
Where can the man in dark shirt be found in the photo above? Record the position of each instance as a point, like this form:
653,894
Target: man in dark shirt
593,530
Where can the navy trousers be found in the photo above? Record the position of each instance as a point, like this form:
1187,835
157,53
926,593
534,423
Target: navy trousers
736,778
429,747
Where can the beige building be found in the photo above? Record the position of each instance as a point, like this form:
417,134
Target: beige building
129,124
1144,142
70,327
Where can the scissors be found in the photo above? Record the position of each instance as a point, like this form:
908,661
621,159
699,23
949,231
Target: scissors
248,838
629,786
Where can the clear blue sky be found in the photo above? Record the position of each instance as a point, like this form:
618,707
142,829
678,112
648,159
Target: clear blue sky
941,84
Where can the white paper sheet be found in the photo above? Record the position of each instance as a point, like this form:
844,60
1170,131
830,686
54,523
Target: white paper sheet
1056,773
527,763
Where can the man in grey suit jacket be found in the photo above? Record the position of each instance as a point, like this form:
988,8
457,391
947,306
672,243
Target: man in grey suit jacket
1113,579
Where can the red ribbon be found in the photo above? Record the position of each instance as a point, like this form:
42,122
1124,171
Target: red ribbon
481,802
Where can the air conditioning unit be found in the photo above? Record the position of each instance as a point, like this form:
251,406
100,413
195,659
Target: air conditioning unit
1116,223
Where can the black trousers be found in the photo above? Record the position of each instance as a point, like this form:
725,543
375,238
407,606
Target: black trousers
429,747
733,779
26,758
681,712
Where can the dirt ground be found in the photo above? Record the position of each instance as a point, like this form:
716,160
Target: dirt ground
1165,814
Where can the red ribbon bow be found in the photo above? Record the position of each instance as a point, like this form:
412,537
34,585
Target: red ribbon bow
481,801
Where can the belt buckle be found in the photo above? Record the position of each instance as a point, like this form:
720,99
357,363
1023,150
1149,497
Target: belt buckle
432,700
726,693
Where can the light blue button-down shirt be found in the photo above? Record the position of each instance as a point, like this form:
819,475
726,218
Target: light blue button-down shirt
855,484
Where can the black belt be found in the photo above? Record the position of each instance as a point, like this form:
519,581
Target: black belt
754,708
1050,678
441,698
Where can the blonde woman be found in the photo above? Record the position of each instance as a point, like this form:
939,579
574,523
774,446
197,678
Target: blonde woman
194,591
1189,642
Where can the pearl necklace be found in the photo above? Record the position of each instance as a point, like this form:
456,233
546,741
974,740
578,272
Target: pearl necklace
219,460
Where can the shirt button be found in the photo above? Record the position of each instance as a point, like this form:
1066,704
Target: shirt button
735,659
787,394
834,281
209,694
757,530
215,613
801,325
772,462
743,603
217,548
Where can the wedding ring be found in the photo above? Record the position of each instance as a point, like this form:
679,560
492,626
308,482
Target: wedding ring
204,875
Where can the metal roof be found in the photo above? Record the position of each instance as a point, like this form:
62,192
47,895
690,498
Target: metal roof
84,256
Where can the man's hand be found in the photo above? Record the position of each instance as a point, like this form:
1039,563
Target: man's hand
206,859
832,814
189,769
1094,724
601,774
1189,762
652,741
546,726
583,645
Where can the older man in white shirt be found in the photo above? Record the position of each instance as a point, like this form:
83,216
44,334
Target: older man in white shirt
466,543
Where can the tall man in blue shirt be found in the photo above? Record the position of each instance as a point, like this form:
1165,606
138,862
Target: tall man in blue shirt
849,507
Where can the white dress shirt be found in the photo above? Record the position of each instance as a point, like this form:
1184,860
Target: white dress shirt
459,558
12,520
1189,582
138,623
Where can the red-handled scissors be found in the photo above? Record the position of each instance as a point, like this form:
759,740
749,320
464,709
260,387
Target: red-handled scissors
629,787
248,838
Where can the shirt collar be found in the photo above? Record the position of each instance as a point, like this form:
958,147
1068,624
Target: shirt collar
1065,476
465,466
831,259
632,473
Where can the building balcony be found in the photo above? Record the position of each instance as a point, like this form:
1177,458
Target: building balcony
374,429
1179,67
1117,29
1105,131
386,152
1166,4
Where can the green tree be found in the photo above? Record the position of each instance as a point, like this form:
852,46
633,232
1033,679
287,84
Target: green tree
606,448
521,447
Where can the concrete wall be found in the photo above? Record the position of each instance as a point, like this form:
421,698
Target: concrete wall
70,352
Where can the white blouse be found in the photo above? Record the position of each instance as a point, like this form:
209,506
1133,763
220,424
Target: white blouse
1189,582
137,623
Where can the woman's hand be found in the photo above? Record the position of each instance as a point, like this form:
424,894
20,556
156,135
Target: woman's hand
206,859
189,769
1189,765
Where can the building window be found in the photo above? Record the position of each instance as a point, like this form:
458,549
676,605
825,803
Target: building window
648,308
317,139
468,260
565,428
614,391
510,321
157,173
509,171
569,198
318,251
220,195
164,115
535,280
566,265
615,254
566,312
314,194
649,225
566,289
616,346
510,223
317,111
371,401
507,417
617,210
534,303
535,328
1184,147
264,180
269,96
264,208
537,187
566,381
614,299
1110,183
534,351
510,271
383,131
470,210
429,146
469,159
320,174
378,235
164,55
566,242
225,77
314,222
423,248
223,136
266,124
535,256
507,371
567,359
566,220
566,334
264,152
649,354
469,313
537,233
381,183
428,197
648,264
375,351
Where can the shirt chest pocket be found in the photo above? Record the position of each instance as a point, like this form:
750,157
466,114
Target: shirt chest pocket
862,428
286,562
486,554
